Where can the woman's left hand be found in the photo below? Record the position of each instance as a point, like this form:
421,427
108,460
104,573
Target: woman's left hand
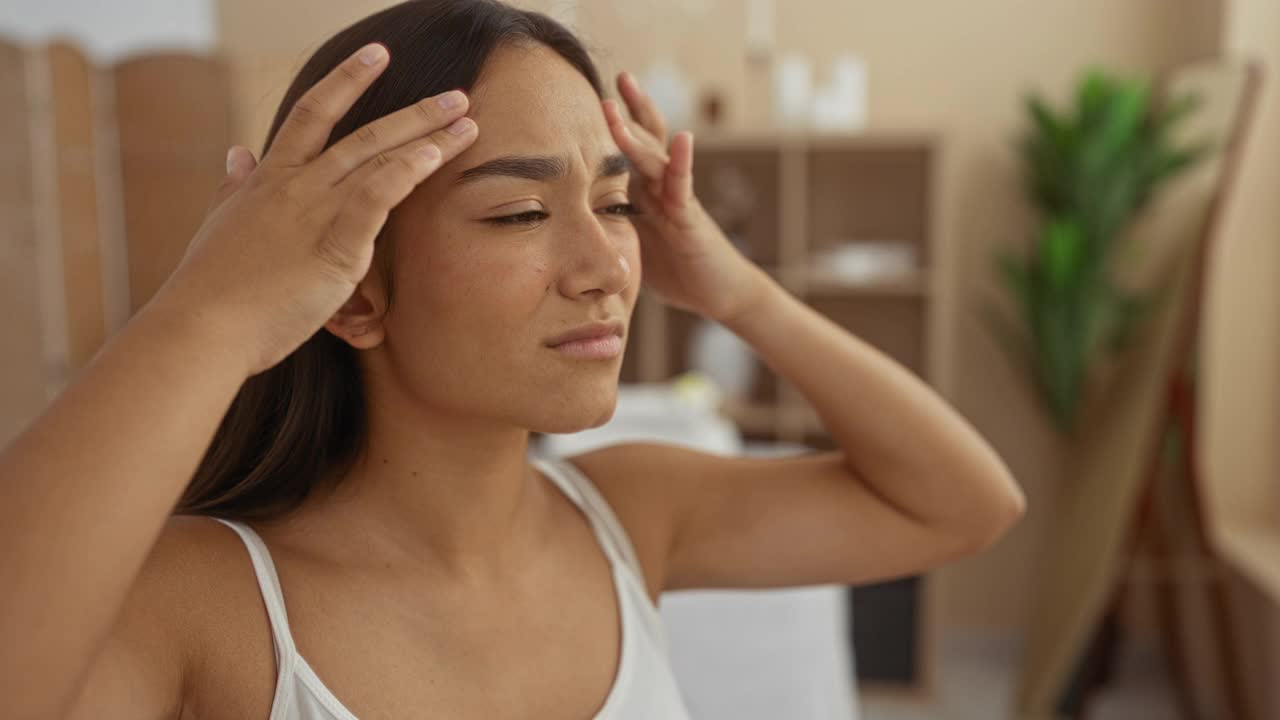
686,258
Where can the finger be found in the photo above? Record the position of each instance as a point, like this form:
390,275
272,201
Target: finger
311,119
388,133
240,163
649,161
349,242
642,107
678,184
643,136
439,147
653,191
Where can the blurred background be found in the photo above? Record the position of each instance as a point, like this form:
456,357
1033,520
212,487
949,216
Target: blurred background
1062,214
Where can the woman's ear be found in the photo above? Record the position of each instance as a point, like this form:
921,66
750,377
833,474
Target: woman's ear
360,321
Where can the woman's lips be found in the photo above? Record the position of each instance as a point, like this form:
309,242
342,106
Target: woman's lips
596,348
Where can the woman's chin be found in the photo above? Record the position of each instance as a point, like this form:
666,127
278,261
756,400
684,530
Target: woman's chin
577,416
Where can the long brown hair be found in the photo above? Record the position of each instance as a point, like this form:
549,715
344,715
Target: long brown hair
303,422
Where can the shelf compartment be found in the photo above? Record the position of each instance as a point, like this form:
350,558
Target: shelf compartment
880,192
739,187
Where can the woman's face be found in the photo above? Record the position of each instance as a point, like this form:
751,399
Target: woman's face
495,258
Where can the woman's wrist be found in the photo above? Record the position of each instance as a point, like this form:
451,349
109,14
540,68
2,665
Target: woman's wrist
764,291
194,337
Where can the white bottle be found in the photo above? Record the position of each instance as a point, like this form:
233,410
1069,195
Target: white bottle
792,90
842,103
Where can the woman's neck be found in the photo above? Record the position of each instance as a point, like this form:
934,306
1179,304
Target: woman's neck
450,495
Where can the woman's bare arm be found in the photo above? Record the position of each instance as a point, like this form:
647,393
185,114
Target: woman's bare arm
84,493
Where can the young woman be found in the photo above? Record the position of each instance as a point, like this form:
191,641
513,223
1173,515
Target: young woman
342,375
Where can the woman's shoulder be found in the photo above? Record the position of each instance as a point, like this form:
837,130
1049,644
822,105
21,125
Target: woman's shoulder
201,570
200,576
191,573
194,554
192,604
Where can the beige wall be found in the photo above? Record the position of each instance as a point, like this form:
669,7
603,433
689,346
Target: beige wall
955,68
1242,356
1242,388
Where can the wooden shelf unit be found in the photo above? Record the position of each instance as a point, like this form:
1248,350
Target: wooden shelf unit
809,192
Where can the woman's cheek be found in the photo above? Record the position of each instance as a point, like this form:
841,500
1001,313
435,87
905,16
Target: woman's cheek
532,261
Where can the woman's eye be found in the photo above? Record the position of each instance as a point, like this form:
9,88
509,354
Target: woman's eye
533,216
525,218
621,209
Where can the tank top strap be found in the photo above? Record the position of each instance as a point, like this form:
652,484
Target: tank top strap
574,483
613,536
272,596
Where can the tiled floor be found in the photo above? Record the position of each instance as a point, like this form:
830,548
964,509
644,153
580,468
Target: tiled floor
977,681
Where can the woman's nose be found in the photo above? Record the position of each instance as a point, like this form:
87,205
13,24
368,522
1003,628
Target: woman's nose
597,259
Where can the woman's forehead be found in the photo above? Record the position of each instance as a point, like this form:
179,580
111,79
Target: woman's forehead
530,94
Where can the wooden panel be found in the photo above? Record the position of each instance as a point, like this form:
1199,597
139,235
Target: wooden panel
71,81
1255,603
258,83
22,359
739,188
871,193
680,326
174,123
1095,511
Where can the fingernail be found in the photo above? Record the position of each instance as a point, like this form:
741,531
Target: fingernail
372,54
429,152
231,160
461,126
451,99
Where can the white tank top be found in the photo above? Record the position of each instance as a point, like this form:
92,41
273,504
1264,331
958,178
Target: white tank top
643,689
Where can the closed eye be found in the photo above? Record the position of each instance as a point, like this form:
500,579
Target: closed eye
524,218
533,216
627,209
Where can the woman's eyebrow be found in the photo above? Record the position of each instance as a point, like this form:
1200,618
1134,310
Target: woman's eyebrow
614,165
539,168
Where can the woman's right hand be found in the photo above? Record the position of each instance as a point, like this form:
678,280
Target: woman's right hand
288,239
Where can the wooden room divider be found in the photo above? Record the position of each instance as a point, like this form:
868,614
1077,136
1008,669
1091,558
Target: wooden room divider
107,172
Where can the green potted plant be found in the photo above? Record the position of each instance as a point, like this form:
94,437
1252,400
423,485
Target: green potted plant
1089,170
